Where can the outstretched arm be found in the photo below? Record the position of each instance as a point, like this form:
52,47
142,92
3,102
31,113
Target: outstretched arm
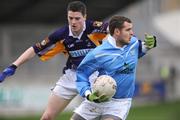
27,55
10,70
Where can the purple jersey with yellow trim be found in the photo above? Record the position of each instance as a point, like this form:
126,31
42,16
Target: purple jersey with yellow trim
61,42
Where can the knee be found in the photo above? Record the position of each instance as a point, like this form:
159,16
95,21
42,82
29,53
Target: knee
47,117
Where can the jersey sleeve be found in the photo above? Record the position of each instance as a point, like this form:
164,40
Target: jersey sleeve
88,66
51,46
141,51
99,32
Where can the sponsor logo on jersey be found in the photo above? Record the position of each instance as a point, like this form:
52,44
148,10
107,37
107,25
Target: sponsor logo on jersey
127,69
79,53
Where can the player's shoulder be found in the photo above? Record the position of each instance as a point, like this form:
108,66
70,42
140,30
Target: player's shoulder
94,23
101,48
60,32
134,39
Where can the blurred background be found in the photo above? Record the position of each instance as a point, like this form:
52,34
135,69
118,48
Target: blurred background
25,22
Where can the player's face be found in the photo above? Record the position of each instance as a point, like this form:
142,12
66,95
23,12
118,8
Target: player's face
124,35
76,21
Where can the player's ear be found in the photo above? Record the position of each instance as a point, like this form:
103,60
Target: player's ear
116,31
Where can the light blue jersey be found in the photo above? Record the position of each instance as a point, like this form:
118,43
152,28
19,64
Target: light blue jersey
108,59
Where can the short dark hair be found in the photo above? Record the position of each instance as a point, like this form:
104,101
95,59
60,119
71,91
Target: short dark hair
77,6
117,22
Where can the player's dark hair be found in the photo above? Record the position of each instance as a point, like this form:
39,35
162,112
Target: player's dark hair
77,6
117,22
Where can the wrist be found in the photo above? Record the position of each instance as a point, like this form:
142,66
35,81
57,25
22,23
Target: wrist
13,66
144,48
87,93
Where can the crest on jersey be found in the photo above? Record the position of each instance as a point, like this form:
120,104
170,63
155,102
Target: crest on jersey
97,23
132,52
44,42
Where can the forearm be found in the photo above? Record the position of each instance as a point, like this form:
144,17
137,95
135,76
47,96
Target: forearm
28,54
82,83
88,66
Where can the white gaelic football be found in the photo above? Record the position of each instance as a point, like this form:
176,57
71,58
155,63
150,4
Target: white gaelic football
105,85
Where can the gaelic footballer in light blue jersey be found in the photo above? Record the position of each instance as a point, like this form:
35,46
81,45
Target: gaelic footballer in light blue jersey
108,59
117,57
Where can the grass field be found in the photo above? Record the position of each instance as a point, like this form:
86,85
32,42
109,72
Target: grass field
163,111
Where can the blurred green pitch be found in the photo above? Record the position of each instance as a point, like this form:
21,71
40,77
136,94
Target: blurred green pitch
162,111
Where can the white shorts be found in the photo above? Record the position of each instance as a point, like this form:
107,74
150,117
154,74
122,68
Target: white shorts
116,107
66,86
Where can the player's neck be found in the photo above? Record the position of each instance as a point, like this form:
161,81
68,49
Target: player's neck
118,42
119,45
77,33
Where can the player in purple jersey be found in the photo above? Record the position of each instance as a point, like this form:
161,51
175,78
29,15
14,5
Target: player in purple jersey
75,40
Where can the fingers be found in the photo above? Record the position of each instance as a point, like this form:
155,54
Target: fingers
148,36
149,43
95,93
103,98
97,99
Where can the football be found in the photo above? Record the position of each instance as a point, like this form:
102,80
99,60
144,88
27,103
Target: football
105,85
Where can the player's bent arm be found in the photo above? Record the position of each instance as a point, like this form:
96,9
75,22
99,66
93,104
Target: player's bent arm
82,82
84,70
88,66
27,55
